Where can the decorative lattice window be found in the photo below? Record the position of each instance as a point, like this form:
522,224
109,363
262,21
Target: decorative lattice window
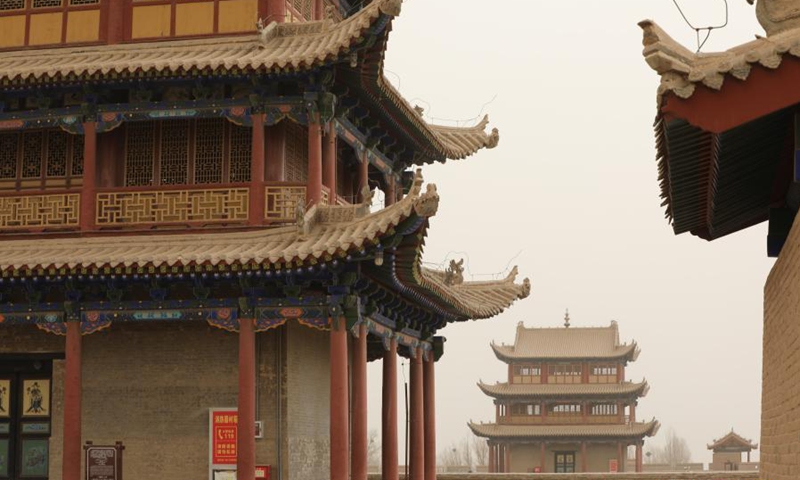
189,152
174,152
32,148
241,148
209,150
296,153
57,149
12,5
303,7
84,2
77,156
9,152
47,3
139,154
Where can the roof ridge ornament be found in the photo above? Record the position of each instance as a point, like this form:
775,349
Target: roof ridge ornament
566,319
391,7
777,16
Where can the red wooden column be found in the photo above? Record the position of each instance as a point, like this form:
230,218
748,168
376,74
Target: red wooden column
71,455
257,198
633,412
542,456
507,458
115,22
89,185
417,423
390,194
620,459
329,163
246,424
319,10
363,176
273,11
339,401
639,457
275,150
389,467
314,187
429,393
359,378
583,457
492,455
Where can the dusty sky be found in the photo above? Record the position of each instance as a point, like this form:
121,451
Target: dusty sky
571,196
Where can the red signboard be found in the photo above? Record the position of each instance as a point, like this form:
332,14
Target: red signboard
613,466
223,435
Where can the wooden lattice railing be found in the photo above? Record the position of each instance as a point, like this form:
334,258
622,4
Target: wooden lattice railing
594,476
39,211
135,206
282,200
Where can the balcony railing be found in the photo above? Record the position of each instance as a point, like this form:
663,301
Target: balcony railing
172,206
36,212
282,200
146,208
594,476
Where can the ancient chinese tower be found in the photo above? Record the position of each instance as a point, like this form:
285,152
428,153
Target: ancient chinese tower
566,406
186,225
727,140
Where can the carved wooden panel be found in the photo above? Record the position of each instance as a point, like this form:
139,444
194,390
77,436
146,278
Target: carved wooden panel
296,153
57,210
139,154
282,201
175,152
175,206
209,151
240,153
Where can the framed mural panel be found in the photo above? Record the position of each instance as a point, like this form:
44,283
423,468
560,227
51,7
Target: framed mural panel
36,397
33,458
4,460
5,398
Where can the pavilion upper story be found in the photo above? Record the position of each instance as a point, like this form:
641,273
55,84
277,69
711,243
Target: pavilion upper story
247,129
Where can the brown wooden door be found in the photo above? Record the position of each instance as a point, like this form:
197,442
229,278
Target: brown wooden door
25,412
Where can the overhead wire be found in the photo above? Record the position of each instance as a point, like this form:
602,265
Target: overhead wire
708,29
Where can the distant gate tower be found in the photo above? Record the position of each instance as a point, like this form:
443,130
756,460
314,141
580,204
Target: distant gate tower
566,406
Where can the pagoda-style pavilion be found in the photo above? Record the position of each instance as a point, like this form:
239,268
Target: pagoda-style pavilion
566,406
728,452
727,136
185,193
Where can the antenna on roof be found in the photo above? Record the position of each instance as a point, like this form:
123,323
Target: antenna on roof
708,29
566,319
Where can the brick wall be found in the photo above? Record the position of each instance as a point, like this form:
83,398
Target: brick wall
308,405
151,385
594,476
780,398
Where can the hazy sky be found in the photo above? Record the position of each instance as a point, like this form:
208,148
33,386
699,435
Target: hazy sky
572,193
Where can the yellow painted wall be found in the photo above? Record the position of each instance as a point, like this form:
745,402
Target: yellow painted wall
83,26
151,21
194,18
238,16
45,28
12,31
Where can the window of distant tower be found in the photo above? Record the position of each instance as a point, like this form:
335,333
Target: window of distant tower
604,409
564,373
565,409
523,409
603,373
527,374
